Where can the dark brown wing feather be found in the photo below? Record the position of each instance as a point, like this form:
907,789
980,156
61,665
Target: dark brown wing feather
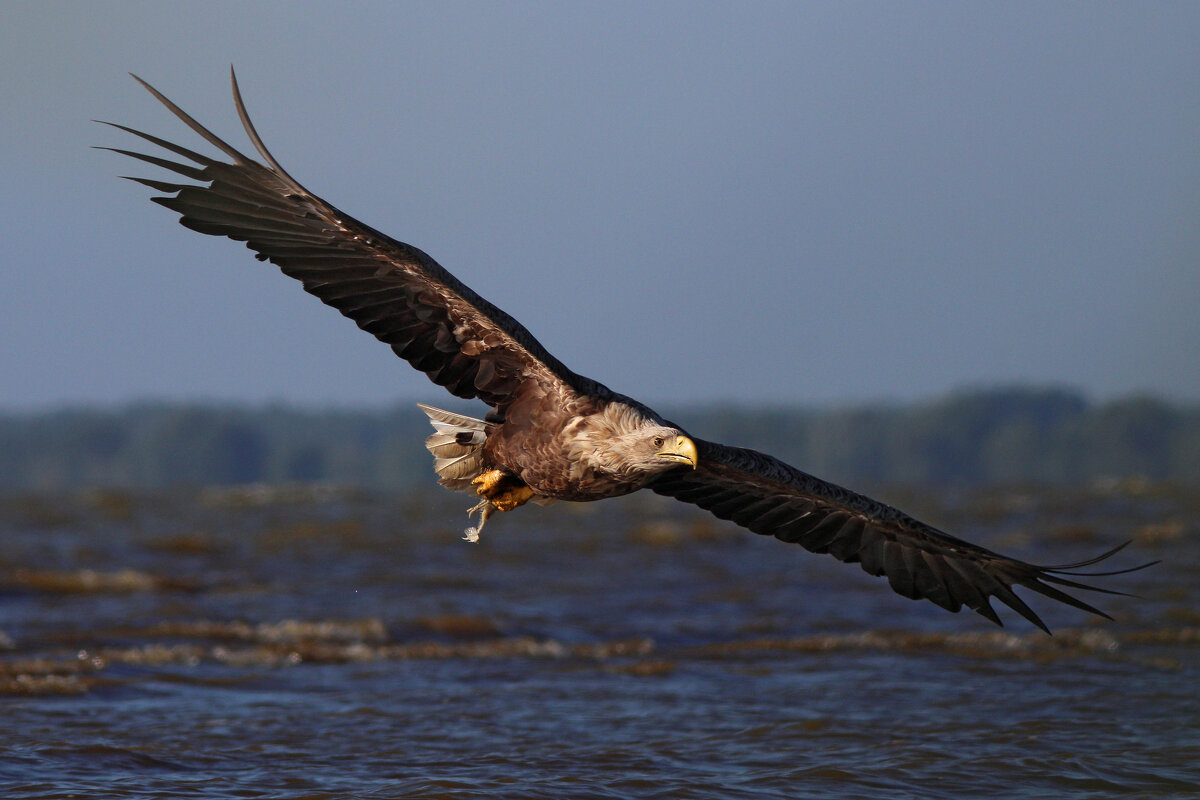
390,289
769,497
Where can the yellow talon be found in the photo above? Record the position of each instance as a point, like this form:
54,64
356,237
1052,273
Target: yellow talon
487,482
502,490
507,501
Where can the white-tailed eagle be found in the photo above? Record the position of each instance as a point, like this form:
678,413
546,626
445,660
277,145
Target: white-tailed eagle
552,434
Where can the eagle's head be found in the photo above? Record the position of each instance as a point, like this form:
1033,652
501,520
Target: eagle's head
636,447
647,451
672,447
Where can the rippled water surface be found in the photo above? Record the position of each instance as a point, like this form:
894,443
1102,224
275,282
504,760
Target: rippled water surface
316,642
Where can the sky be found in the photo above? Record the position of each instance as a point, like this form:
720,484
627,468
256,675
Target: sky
813,203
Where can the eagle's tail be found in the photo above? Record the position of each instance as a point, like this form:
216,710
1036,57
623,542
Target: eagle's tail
457,447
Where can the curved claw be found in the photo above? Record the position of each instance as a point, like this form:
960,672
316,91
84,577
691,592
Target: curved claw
485,509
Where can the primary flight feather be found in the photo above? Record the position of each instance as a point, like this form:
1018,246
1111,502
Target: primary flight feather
552,434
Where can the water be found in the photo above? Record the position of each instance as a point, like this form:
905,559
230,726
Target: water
320,643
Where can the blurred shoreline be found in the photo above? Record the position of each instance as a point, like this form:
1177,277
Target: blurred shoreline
1014,435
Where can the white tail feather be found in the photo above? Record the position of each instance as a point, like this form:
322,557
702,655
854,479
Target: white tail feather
457,447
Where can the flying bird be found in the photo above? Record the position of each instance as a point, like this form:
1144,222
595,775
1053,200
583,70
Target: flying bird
551,434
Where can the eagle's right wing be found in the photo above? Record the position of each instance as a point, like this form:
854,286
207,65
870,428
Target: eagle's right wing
767,496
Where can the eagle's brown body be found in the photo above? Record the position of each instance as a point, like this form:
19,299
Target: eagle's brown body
552,434
537,443
548,447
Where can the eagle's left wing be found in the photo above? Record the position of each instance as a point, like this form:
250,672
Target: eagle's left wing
769,497
390,289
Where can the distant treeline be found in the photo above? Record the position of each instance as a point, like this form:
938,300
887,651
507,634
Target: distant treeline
968,438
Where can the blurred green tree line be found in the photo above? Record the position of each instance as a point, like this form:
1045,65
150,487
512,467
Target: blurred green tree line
1010,435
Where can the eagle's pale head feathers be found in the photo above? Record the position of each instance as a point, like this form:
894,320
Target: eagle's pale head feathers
632,446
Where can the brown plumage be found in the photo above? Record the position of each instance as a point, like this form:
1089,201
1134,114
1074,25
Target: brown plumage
551,434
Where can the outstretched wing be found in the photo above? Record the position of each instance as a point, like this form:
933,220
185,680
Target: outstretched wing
390,289
769,497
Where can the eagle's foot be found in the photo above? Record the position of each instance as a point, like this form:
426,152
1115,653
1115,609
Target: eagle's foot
510,499
502,489
485,508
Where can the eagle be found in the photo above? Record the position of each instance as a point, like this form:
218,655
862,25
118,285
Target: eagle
551,434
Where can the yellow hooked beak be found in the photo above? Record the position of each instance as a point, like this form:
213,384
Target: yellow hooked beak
682,450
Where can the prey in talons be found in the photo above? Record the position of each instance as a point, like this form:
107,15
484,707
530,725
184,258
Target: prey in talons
501,491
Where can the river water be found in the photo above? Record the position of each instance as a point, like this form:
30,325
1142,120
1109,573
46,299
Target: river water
318,642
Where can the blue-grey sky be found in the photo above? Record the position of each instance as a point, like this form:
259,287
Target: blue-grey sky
810,202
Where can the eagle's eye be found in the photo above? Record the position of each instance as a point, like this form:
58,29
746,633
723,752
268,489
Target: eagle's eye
658,441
